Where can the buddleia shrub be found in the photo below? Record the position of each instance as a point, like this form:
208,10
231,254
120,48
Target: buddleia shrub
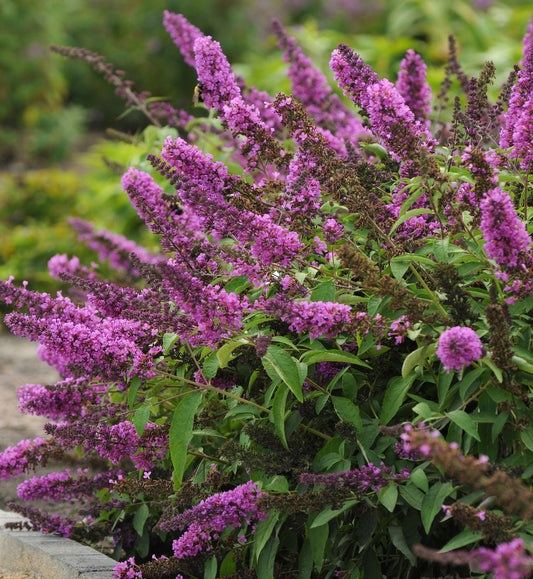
325,369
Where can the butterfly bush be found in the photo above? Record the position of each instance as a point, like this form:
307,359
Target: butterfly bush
267,390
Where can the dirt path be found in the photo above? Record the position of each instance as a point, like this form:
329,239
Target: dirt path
19,364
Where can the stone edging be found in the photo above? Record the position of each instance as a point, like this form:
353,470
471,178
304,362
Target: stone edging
49,556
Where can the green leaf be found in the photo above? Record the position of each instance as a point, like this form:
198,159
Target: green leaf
324,292
498,424
243,412
265,563
305,561
371,564
210,366
373,305
522,364
465,422
313,356
318,537
469,379
237,284
327,514
443,385
409,257
286,368
140,518
302,371
418,192
419,479
278,412
495,370
225,353
399,268
416,358
349,386
388,496
142,544
140,418
394,396
133,388
398,540
286,341
375,149
365,528
210,568
278,484
465,537
412,496
527,438
440,249
321,401
169,340
432,503
228,566
180,434
348,411
498,394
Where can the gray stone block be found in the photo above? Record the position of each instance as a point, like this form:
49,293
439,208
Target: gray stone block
49,556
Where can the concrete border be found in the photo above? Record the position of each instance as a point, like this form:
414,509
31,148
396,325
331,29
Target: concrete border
49,556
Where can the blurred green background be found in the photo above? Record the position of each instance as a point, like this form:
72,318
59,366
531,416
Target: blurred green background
54,156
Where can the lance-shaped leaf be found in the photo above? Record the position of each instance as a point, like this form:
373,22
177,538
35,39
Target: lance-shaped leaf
181,433
287,368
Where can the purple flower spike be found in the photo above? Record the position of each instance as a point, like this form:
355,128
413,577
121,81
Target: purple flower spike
215,74
207,520
311,87
519,94
308,83
395,123
413,87
522,135
352,74
183,34
459,346
506,236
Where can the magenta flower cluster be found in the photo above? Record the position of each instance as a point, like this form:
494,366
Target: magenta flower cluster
506,239
126,570
413,87
63,486
115,443
207,520
507,561
65,400
369,478
15,460
458,347
318,318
